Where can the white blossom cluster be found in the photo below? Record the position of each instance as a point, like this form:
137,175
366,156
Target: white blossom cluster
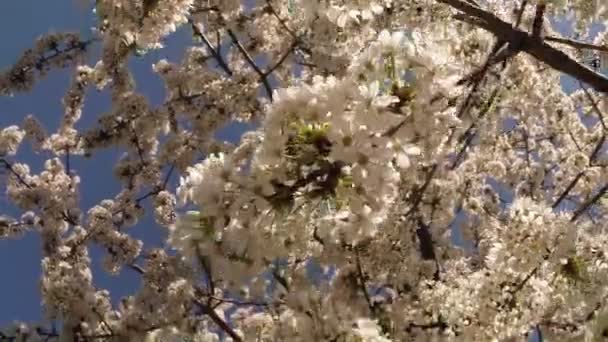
406,176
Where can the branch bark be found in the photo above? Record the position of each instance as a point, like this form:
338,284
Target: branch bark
533,46
577,44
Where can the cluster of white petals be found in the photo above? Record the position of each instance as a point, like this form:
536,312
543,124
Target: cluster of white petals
411,171
10,138
161,20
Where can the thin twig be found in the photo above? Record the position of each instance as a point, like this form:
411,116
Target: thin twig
9,167
282,59
419,193
470,133
577,44
297,39
362,285
218,321
281,20
237,302
67,161
571,135
574,181
263,76
206,309
215,53
582,209
567,190
596,109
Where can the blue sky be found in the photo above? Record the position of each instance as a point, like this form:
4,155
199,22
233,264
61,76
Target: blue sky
23,21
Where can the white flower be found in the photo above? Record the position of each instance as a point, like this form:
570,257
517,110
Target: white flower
10,138
207,171
403,153
163,20
368,331
496,169
391,43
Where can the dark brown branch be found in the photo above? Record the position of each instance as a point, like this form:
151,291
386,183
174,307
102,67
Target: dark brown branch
394,129
577,44
519,286
198,10
596,109
539,17
280,279
138,148
540,50
9,167
425,241
596,150
582,209
215,53
20,71
500,44
470,133
419,192
316,237
572,327
206,309
157,189
439,324
281,20
571,135
67,161
520,12
263,76
282,59
21,181
300,46
218,321
237,302
362,286
205,265
567,190
574,181
527,147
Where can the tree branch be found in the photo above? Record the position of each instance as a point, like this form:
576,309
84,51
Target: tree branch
582,209
596,109
539,17
574,181
577,44
215,53
263,76
362,286
206,309
535,47
282,59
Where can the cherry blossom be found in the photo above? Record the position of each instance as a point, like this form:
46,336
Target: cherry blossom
413,170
